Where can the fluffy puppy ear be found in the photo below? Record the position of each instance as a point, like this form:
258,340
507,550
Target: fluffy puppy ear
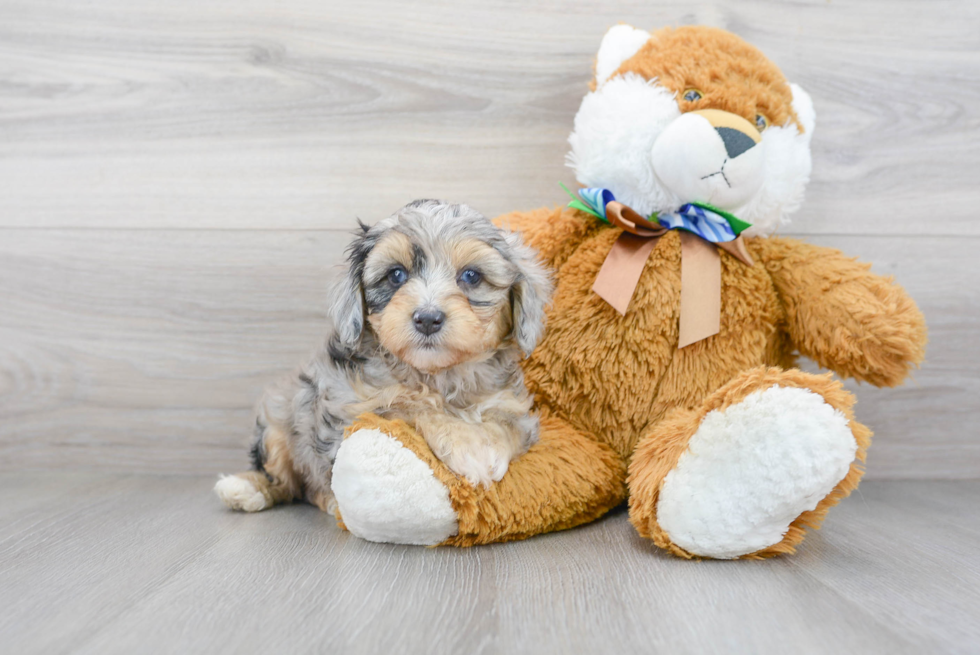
347,297
530,295
619,44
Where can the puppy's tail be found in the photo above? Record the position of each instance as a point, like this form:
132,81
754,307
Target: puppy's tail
272,482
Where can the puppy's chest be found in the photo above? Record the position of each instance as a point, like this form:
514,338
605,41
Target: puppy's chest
463,399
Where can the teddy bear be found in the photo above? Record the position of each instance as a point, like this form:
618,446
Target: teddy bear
667,376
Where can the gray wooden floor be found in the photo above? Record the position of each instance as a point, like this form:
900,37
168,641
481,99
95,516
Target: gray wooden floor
151,564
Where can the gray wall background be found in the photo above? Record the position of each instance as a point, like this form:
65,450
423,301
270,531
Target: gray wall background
178,180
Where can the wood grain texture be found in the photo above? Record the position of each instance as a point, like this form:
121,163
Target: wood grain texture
302,113
177,179
144,350
152,564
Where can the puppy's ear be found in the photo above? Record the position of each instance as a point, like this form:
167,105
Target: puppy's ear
347,297
530,295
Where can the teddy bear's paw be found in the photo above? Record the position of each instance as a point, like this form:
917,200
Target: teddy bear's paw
387,494
750,470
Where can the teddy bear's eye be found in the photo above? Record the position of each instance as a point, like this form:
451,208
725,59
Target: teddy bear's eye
692,95
761,122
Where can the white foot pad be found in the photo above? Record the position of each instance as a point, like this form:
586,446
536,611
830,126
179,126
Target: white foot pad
238,493
752,469
387,494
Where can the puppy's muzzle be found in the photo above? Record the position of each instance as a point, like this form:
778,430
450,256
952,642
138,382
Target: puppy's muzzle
428,321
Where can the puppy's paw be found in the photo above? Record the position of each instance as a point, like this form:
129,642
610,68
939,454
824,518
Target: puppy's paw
479,464
238,493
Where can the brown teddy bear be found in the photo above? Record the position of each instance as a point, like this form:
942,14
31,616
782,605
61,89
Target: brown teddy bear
667,373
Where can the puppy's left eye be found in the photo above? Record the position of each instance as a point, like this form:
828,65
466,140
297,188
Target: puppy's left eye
397,276
761,122
470,277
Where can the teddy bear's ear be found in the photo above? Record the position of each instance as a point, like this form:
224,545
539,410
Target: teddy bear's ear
619,44
803,107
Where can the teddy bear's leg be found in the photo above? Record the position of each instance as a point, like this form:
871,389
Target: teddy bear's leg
390,488
742,476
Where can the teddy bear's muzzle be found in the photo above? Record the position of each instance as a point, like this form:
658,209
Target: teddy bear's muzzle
710,156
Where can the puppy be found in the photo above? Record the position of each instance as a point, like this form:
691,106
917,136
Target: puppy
429,324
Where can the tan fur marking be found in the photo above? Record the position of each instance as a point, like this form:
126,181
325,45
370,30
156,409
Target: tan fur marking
281,485
394,248
286,484
473,252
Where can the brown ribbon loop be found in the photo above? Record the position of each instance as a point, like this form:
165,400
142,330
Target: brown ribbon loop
620,272
622,216
700,311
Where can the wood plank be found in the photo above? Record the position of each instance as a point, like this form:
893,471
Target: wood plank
144,350
155,564
932,523
132,350
304,114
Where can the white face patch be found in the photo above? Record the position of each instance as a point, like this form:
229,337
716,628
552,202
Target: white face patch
615,130
615,144
691,159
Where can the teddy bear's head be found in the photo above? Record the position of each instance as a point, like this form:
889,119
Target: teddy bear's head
693,114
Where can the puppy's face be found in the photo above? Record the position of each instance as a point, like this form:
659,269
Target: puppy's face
437,304
441,286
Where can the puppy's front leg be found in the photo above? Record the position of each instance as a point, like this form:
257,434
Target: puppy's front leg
479,452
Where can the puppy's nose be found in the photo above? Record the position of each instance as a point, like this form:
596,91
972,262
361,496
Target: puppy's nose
428,321
735,142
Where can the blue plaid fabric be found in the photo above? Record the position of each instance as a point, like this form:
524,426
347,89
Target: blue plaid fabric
703,222
597,199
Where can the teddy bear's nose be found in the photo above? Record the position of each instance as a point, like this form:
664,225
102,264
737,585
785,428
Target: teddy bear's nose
736,142
738,135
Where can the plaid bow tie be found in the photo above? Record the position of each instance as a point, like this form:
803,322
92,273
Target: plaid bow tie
707,221
701,224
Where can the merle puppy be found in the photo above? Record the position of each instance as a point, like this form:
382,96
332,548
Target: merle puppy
429,324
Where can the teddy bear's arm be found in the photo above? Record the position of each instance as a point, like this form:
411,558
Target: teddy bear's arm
390,487
841,315
555,232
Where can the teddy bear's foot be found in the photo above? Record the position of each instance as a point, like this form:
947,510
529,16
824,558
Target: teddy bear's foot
752,469
387,494
773,452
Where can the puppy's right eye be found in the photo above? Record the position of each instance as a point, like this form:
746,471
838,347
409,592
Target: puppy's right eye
470,277
397,276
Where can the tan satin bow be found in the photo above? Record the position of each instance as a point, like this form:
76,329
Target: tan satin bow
700,313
